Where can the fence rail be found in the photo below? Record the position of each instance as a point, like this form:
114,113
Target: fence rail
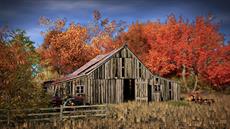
62,112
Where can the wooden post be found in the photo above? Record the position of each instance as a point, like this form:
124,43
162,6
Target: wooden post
8,116
61,112
106,111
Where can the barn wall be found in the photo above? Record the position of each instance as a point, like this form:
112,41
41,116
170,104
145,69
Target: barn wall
169,90
105,91
68,88
109,77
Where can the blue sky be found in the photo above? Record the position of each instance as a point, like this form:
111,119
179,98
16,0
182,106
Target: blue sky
25,14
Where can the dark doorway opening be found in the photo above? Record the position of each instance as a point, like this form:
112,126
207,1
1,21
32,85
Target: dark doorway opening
170,91
149,93
129,89
170,95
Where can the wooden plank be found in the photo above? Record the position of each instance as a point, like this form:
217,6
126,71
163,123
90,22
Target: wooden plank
122,90
120,66
80,116
85,106
109,91
43,114
84,111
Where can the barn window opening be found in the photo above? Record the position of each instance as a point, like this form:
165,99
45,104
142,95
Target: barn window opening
123,67
71,87
116,67
170,90
80,90
157,81
159,88
170,86
155,88
139,69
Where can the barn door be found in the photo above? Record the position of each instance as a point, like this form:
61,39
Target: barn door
141,90
129,90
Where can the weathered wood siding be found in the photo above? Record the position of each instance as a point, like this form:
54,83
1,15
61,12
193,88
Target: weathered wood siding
105,84
112,69
68,88
107,80
169,90
105,91
141,90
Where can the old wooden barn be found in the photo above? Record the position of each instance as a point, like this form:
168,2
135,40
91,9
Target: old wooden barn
116,77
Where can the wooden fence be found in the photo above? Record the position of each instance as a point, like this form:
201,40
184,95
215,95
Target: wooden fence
62,112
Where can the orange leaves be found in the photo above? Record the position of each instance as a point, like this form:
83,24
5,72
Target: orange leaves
166,48
67,50
136,40
16,61
217,66
176,43
7,62
160,63
104,34
105,43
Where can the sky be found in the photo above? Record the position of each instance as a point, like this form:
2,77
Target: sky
25,14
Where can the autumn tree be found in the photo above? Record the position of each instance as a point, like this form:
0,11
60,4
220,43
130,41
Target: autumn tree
136,39
179,47
104,34
66,49
18,56
215,67
189,50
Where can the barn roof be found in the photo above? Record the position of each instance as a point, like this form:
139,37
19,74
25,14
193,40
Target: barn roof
90,66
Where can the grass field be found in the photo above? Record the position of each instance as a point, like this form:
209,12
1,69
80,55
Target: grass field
171,114
155,115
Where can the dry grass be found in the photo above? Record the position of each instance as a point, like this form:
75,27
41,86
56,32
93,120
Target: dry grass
173,114
156,115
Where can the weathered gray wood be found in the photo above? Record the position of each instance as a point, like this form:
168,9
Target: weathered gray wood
53,113
105,84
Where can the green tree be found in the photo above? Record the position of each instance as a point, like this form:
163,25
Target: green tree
18,58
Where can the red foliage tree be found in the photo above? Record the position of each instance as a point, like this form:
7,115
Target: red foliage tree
183,48
215,67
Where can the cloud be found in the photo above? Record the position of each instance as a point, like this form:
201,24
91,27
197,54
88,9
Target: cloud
25,13
69,5
86,5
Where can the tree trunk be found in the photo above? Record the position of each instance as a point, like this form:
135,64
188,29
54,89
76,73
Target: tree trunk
196,82
184,77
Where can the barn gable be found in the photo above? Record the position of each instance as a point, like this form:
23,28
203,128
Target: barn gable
121,64
90,66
